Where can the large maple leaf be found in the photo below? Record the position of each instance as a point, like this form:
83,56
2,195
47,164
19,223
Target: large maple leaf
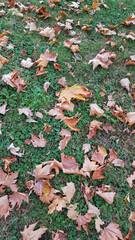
30,234
111,232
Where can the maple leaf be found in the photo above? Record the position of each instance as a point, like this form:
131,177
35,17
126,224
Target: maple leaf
63,142
98,173
58,204
42,10
130,118
29,234
50,196
4,206
98,222
3,108
96,110
85,27
3,40
71,122
62,82
69,191
130,20
13,79
88,166
3,61
130,62
59,235
16,199
42,187
92,210
32,27
83,221
99,156
107,196
47,128
86,147
105,31
76,92
38,142
72,213
111,232
47,32
69,164
88,193
103,59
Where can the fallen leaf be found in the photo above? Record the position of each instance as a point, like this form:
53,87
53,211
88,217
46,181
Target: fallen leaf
69,191
3,61
107,196
132,217
29,234
130,20
111,232
107,127
39,115
86,147
96,110
16,199
71,122
125,83
59,235
15,150
25,111
27,63
99,156
7,162
62,82
131,179
98,173
92,210
47,128
83,221
4,206
98,222
103,59
69,164
72,213
46,86
38,142
88,166
3,108
130,118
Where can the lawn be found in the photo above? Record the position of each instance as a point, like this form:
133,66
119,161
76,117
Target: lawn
103,83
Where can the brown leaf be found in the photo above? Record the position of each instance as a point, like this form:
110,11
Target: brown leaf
132,217
46,86
118,162
85,27
96,110
98,173
99,156
16,199
15,150
3,61
38,142
29,234
7,162
75,48
111,232
107,196
3,108
103,59
57,205
71,122
63,143
107,127
88,193
131,179
47,32
47,128
125,83
83,221
130,20
25,111
4,206
62,82
50,196
69,191
88,166
59,235
86,147
92,132
57,112
92,210
113,155
13,79
42,10
98,222
39,115
72,213
130,118
69,164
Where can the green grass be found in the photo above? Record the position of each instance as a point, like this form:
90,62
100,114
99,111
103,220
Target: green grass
15,125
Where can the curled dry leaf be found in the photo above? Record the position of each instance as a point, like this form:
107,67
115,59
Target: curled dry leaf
57,205
88,166
75,48
30,234
38,142
1,123
31,26
98,173
103,59
39,115
107,127
118,162
92,210
46,86
62,82
111,232
47,32
130,20
130,118
2,12
47,128
9,180
57,112
98,222
96,110
107,196
132,217
88,193
69,191
15,150
99,156
27,63
69,164
7,162
125,83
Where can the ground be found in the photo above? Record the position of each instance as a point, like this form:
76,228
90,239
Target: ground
15,128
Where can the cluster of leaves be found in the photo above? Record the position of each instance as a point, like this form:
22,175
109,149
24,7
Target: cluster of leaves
67,103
